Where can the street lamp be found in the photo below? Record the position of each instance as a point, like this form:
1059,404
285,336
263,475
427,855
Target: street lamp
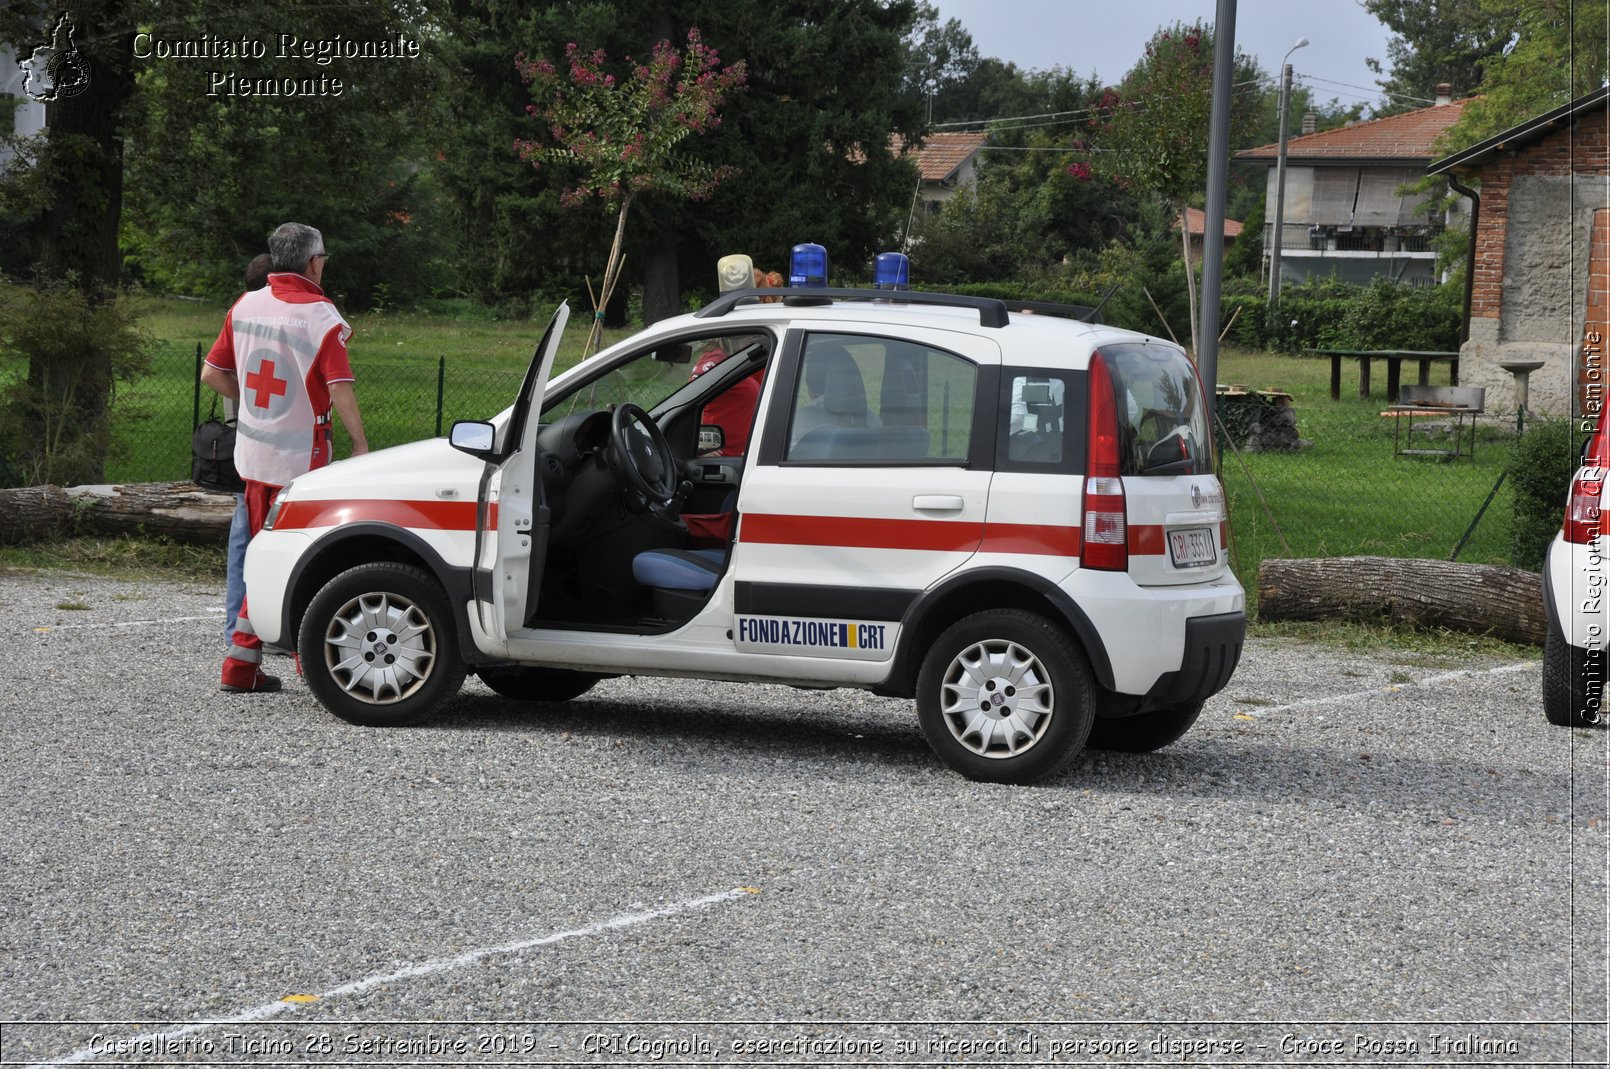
1280,177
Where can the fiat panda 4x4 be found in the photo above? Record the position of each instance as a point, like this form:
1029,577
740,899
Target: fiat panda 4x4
1007,514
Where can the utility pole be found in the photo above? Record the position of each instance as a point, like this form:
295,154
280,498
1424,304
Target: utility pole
1279,232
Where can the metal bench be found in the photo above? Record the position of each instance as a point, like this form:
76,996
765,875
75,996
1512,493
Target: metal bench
1437,402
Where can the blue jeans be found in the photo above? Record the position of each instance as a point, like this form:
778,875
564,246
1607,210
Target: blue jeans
235,582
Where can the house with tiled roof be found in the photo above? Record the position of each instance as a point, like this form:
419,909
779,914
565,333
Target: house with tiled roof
1196,227
1348,213
1539,274
946,162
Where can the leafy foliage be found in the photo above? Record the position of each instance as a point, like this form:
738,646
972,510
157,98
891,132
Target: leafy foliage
1326,314
77,346
1541,464
1435,42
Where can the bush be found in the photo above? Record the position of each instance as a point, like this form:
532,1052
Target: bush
1541,463
65,352
1326,314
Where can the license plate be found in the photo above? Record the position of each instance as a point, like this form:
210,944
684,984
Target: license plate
1193,547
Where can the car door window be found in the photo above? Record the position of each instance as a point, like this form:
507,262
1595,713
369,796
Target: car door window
880,401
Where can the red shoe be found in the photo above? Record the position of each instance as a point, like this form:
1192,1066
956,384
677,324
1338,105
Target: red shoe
262,683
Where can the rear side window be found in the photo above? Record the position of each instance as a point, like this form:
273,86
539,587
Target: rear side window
1162,425
874,400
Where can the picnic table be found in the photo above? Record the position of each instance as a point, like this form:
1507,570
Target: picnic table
1394,367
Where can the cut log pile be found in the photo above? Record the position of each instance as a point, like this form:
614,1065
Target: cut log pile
181,511
1484,599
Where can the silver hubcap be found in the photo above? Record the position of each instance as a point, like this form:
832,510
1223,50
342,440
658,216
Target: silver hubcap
997,699
380,648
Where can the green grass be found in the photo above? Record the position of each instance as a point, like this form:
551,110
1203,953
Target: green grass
119,558
1347,493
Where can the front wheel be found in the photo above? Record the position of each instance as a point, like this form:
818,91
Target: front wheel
1005,696
379,647
1144,733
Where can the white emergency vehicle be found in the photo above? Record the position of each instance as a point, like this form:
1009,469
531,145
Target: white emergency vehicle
1004,512
1574,595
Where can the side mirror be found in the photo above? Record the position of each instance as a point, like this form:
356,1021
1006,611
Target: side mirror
711,438
476,438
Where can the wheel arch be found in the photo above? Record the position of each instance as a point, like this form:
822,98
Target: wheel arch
371,543
988,588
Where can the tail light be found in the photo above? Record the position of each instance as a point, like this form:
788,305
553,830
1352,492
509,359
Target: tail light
1582,517
1105,545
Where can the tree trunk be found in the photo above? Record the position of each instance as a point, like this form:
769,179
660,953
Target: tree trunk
1506,603
662,292
83,167
181,511
1190,277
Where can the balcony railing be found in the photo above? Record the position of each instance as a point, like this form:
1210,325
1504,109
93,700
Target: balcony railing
1300,237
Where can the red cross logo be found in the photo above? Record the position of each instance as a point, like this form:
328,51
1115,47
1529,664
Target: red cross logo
266,385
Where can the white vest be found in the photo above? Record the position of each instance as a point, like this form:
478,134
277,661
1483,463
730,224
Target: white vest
282,431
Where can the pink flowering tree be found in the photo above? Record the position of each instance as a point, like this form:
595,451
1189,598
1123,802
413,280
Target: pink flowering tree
1152,129
624,136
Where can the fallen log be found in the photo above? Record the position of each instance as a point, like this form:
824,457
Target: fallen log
1484,599
181,511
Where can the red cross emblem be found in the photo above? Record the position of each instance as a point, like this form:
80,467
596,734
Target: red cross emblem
266,385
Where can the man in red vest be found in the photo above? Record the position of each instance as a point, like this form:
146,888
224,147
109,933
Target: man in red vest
282,356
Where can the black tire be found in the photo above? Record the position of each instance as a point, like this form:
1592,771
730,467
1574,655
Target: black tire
1144,733
538,684
379,646
1028,732
1573,682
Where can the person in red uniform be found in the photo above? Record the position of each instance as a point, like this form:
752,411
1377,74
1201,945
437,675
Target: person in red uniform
282,356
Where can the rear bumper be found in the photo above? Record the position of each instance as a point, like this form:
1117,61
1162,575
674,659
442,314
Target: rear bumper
1212,651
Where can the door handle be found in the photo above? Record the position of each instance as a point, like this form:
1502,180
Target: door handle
938,502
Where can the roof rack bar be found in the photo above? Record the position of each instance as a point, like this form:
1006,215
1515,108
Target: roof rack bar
991,312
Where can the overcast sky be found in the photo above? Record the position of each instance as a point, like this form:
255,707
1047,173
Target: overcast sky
1106,37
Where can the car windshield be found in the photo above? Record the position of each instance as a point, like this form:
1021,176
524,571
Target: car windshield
1162,428
647,379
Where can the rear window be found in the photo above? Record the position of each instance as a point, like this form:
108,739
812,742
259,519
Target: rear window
1162,428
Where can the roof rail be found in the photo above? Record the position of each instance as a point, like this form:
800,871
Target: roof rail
1083,312
991,312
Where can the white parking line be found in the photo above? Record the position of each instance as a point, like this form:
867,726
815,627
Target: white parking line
213,615
1446,677
160,1040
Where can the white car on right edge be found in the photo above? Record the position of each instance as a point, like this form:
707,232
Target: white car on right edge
1574,588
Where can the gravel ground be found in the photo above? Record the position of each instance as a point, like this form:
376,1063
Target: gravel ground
1359,859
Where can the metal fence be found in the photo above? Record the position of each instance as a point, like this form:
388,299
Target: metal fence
1360,476
401,402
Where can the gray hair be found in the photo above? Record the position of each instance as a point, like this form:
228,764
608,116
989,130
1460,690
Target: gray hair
292,245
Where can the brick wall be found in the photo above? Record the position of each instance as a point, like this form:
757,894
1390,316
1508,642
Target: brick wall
1582,150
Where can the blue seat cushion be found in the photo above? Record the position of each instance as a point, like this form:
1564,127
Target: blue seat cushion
680,569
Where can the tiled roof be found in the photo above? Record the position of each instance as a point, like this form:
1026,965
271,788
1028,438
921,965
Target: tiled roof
940,154
1196,222
1406,137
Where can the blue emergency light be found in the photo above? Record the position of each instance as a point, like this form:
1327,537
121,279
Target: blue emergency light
807,266
891,271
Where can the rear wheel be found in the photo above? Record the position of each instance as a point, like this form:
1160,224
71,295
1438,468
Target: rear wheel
1005,696
379,647
1144,733
1573,682
538,684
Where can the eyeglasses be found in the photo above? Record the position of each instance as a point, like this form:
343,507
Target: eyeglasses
321,256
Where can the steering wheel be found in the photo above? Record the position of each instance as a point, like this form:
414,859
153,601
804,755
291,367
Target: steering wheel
643,459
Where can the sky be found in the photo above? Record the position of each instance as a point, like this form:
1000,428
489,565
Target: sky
1105,38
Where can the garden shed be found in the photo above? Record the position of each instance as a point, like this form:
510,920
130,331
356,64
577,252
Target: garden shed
1541,262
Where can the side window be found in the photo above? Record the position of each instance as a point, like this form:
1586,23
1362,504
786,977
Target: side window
880,401
1037,418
